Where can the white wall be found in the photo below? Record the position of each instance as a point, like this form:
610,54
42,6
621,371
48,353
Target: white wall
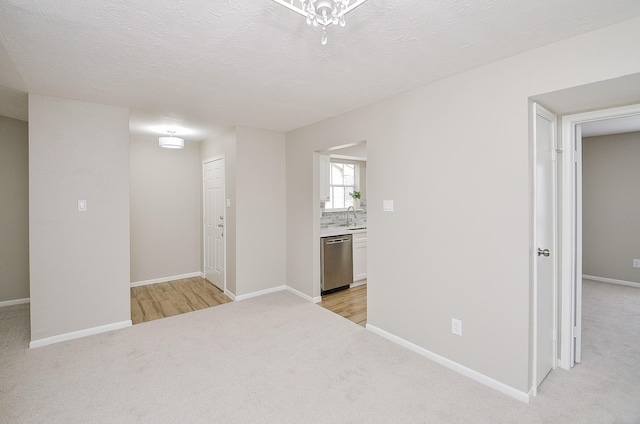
165,212
454,157
79,261
14,209
611,201
261,217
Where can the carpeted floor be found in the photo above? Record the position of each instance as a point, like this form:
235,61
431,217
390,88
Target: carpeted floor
279,359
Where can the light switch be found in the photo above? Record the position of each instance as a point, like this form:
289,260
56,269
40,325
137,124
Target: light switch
456,327
82,205
228,203
387,205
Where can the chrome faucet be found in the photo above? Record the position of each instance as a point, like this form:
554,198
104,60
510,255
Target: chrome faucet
355,215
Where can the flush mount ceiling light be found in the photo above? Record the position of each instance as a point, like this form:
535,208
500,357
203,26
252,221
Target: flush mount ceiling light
171,142
322,12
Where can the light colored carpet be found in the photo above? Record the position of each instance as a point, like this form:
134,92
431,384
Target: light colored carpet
279,359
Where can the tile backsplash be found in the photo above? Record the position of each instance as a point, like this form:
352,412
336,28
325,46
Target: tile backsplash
339,218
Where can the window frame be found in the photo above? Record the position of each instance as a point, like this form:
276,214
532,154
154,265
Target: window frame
356,182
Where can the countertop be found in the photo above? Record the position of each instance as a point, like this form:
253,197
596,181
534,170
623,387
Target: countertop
340,231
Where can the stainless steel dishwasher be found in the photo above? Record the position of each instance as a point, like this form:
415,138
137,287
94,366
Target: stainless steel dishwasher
336,260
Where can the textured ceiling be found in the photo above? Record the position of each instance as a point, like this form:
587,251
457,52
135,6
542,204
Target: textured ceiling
205,65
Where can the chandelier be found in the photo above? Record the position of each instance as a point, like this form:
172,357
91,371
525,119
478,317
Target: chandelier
322,12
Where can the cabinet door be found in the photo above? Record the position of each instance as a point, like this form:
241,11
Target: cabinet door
359,256
323,172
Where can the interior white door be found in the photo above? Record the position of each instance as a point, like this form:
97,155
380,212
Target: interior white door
214,222
545,242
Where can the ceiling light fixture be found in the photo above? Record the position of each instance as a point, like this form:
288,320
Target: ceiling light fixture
171,142
322,12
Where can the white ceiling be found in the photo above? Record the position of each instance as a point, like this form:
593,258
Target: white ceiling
622,125
208,64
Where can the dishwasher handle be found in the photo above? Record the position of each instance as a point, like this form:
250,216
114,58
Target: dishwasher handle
337,240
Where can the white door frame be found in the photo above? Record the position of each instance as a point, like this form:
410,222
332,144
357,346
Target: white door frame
571,249
538,110
204,226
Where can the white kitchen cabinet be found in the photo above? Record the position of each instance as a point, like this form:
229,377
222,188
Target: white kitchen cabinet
359,256
323,172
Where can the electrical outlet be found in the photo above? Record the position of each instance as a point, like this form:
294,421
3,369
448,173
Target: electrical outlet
636,263
456,327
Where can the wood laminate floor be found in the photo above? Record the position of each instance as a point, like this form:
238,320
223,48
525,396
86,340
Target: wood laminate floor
350,303
155,301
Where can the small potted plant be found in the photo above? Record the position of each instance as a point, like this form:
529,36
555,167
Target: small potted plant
355,195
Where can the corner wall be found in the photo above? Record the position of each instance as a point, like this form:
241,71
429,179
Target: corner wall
79,261
14,210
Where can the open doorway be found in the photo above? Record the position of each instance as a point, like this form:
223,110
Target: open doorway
573,218
597,123
599,312
611,247
610,201
342,226
605,100
166,215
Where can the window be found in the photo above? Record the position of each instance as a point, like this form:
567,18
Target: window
342,181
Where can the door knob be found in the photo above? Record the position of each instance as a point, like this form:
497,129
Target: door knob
544,252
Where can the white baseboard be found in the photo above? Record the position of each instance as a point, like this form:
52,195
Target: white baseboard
273,290
14,302
532,393
306,297
260,293
78,334
611,281
467,372
165,279
358,283
230,295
